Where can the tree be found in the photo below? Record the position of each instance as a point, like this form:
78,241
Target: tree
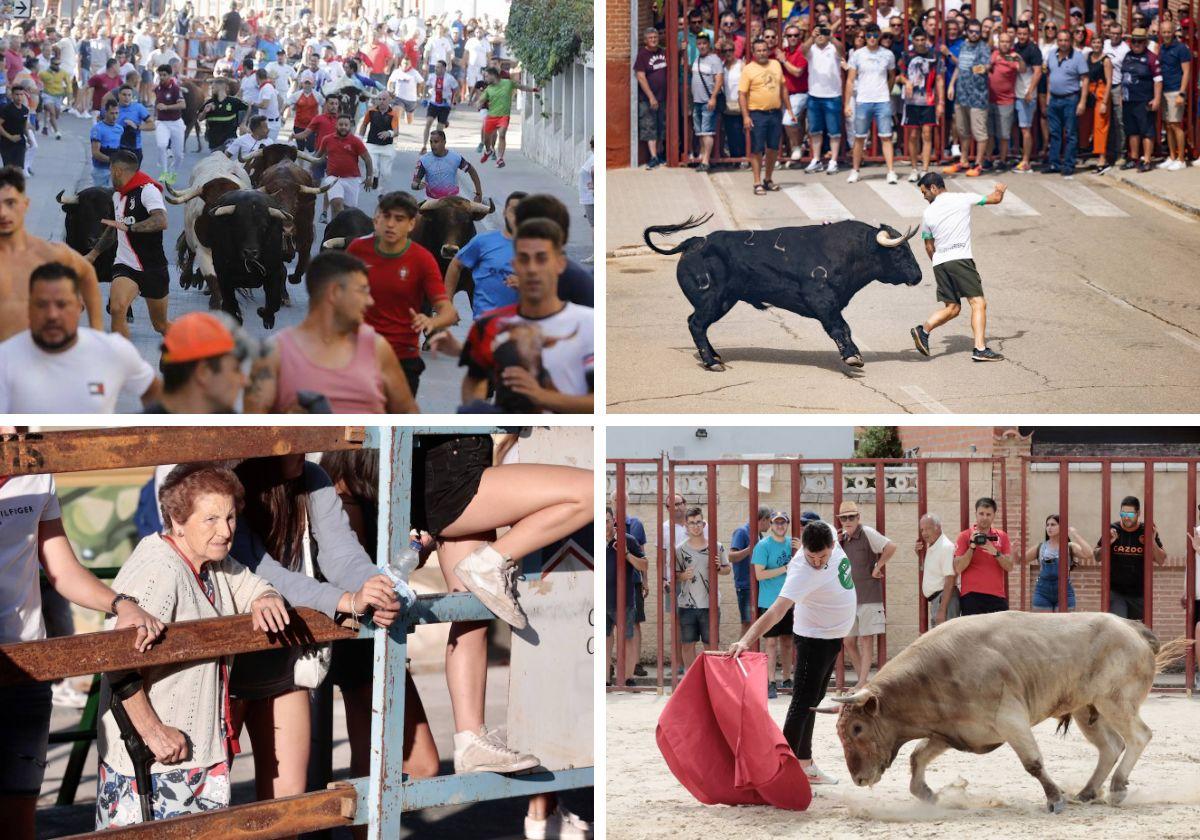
547,35
879,442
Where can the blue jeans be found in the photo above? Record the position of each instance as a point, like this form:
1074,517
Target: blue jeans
825,115
1064,128
101,177
743,596
867,112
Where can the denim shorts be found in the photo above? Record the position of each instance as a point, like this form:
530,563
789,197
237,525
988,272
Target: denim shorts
693,625
865,112
1045,595
743,596
1025,112
766,130
704,121
630,623
825,115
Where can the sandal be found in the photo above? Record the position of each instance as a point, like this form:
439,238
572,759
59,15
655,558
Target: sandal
770,186
759,189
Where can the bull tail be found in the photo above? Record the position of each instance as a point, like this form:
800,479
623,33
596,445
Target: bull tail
666,230
181,250
1171,651
1064,723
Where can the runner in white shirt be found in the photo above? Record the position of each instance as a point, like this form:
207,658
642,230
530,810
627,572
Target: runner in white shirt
946,230
58,367
405,84
248,89
258,136
266,102
475,53
820,586
440,48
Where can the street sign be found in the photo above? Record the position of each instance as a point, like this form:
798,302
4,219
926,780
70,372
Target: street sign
16,9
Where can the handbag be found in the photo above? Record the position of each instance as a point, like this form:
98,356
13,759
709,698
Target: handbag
313,665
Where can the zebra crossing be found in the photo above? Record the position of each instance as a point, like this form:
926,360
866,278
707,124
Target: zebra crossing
1026,197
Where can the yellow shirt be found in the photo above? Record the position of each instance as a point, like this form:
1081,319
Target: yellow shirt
761,84
55,84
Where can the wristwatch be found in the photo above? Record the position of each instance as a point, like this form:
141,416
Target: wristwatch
112,608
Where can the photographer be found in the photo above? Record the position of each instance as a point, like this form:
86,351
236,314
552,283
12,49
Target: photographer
982,557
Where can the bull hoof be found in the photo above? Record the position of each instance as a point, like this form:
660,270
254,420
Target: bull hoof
295,279
1085,796
716,366
1057,806
855,361
1116,797
268,318
287,299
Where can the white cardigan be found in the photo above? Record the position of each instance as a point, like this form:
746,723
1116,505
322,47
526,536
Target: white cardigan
185,696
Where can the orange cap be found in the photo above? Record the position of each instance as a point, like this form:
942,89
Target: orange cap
197,335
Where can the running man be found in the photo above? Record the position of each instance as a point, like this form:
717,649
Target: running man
342,151
439,99
168,129
498,98
946,229
438,170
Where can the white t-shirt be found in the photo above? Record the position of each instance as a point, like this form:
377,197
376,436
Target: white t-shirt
939,563
681,536
151,199
245,143
145,43
281,73
569,354
477,50
85,379
25,501
871,84
1116,54
267,100
694,593
163,55
248,89
441,49
825,600
587,175
733,75
947,221
403,83
824,72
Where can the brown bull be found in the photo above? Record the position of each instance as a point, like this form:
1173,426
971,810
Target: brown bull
195,94
292,186
260,160
977,682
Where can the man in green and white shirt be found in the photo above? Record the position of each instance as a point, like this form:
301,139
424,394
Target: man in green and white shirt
946,229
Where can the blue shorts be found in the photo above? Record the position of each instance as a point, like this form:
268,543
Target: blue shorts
1025,112
693,624
630,623
704,121
101,177
865,112
825,115
1045,595
766,130
743,596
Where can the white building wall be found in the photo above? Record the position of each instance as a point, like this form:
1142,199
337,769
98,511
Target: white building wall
558,123
681,442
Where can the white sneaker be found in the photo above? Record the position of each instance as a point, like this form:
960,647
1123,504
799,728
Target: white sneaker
892,178
853,179
1176,165
955,151
832,168
560,824
914,176
813,166
486,752
796,155
815,776
64,694
492,578
1165,164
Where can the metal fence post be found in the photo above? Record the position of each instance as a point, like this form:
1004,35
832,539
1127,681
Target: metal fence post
619,569
714,586
881,527
752,471
1064,543
1105,536
922,509
1148,553
840,670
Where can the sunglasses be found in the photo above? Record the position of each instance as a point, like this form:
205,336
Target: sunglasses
1125,515
849,517
871,35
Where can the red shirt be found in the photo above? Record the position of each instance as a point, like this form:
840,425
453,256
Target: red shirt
341,154
306,108
410,50
399,283
322,125
378,56
101,84
167,94
796,84
984,574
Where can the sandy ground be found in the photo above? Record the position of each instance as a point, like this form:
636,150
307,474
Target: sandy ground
982,796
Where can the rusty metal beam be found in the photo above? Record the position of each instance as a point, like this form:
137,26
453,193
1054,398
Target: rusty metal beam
106,449
184,641
288,816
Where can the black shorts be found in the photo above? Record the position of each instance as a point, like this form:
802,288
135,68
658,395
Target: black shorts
263,674
916,115
447,470
353,663
413,368
1137,119
441,113
979,603
153,283
783,627
24,734
766,130
639,602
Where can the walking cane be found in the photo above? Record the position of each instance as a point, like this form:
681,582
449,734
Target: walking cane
139,753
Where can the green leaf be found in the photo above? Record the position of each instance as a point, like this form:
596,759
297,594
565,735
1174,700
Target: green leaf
546,36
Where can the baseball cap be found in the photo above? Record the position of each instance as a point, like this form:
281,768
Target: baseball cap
809,516
1138,34
1075,10
196,335
777,515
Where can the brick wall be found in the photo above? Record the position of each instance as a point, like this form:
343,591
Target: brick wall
948,440
618,82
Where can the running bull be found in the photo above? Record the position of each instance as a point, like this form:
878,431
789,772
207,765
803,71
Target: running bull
344,228
977,682
813,271
246,229
444,227
292,186
83,211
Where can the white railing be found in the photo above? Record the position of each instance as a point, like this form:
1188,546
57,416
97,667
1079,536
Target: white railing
558,123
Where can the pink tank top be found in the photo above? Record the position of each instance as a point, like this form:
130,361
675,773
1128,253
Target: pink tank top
356,388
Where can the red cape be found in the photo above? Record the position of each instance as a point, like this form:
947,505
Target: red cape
720,742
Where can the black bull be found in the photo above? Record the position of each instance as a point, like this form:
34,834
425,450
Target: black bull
83,212
813,271
246,231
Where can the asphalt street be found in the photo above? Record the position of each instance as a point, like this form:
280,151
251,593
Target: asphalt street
1091,297
62,164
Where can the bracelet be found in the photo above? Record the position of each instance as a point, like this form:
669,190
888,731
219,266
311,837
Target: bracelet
353,609
112,608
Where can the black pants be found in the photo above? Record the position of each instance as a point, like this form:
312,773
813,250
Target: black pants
815,660
13,154
413,368
977,603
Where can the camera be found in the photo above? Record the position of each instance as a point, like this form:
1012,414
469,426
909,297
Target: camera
982,539
824,30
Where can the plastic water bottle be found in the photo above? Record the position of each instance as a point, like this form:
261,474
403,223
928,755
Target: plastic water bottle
402,566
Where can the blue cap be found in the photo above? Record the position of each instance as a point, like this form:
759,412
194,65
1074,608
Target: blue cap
809,516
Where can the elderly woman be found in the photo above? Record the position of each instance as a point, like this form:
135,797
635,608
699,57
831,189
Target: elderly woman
182,574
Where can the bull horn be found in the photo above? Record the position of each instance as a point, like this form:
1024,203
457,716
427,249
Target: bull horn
276,213
825,710
223,210
337,242
430,204
181,197
480,210
857,698
256,153
73,198
306,157
894,241
317,190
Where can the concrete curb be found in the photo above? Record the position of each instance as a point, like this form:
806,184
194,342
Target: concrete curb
1132,183
628,251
